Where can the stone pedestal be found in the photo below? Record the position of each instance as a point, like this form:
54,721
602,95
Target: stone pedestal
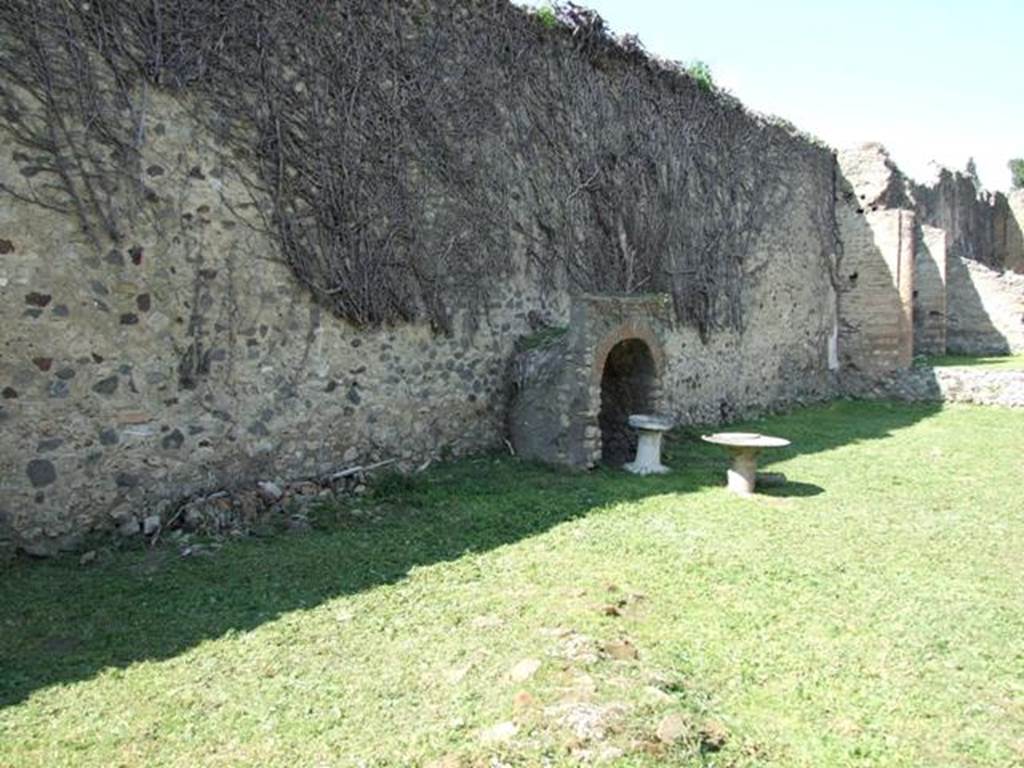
648,450
742,475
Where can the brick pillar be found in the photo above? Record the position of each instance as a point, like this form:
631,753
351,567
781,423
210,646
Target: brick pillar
904,275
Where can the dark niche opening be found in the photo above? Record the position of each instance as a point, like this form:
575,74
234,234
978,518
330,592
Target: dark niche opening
627,387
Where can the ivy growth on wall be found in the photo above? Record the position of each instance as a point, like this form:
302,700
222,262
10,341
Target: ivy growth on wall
412,154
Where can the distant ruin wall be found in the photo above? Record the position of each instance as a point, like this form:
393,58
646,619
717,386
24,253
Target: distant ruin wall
187,357
954,204
877,228
930,292
875,299
968,239
1011,232
986,309
985,295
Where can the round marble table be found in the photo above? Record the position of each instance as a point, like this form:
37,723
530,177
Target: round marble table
744,448
648,449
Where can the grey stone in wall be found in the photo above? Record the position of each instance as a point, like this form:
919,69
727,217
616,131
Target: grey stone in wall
541,392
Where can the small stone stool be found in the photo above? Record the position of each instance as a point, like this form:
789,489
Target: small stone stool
744,448
648,449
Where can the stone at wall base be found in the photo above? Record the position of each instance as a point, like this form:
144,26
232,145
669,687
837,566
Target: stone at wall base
950,385
129,528
50,546
151,525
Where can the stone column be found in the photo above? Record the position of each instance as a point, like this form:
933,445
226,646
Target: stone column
742,474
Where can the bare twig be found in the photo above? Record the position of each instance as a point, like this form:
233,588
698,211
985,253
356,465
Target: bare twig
396,189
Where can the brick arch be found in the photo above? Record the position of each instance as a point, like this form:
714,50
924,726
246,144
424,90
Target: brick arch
631,329
628,366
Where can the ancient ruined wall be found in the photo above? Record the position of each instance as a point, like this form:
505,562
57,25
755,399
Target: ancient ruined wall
981,226
558,381
929,305
783,351
188,357
981,299
953,203
783,354
984,299
1010,228
986,309
875,300
191,358
872,181
877,228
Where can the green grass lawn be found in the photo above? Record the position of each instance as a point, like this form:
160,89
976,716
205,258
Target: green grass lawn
492,613
998,363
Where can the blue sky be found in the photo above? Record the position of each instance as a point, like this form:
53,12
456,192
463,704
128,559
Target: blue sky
940,80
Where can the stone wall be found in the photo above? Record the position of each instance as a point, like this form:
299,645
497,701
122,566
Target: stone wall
986,309
558,413
930,292
877,228
559,386
191,359
974,386
188,358
955,204
877,277
980,226
966,298
1011,232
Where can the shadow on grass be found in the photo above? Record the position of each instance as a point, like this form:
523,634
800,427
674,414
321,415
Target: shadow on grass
61,623
793,490
1001,362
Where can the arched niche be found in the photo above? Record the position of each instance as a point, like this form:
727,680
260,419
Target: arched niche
629,384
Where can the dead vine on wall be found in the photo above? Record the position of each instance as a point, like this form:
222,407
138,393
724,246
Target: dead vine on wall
409,149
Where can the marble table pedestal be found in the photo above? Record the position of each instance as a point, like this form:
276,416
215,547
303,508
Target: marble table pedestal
648,449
